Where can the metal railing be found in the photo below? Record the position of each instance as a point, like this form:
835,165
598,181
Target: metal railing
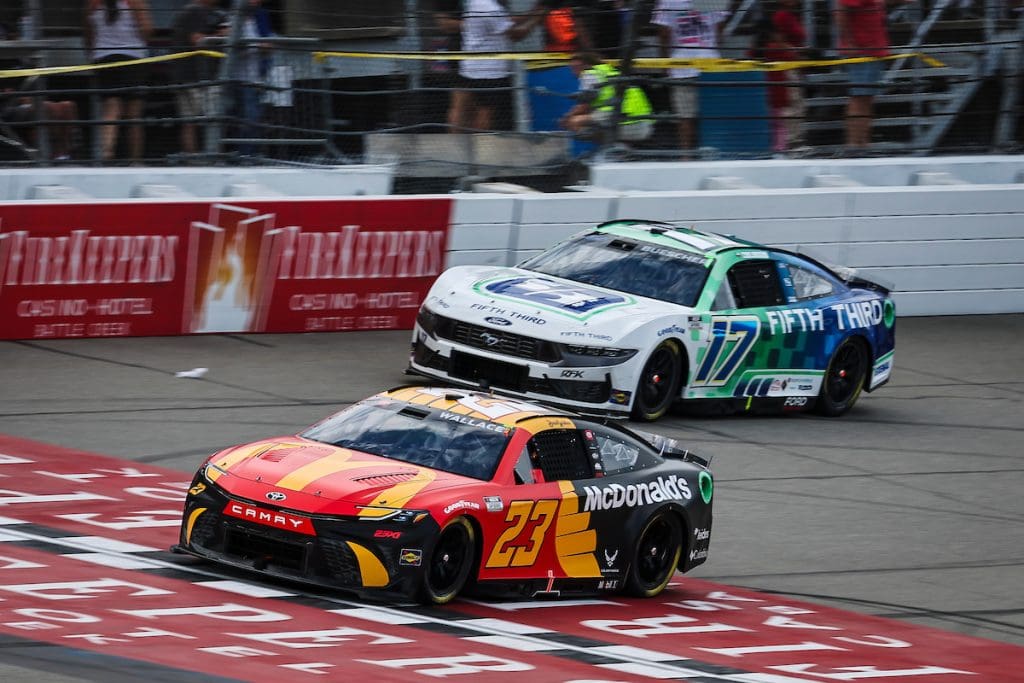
329,103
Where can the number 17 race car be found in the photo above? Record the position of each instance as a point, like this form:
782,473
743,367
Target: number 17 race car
422,492
633,316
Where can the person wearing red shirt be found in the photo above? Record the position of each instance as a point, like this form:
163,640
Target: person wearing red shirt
789,38
862,33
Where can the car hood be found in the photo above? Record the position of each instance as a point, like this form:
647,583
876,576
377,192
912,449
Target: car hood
543,306
317,477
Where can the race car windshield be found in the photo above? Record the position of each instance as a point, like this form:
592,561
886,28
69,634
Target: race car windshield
418,437
610,261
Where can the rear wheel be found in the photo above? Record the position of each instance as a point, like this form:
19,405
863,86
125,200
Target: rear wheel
450,562
659,382
656,556
844,379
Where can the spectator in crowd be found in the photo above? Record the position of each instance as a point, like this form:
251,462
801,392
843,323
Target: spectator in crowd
594,111
117,31
862,33
779,38
20,110
687,32
485,26
788,22
605,22
564,31
197,20
250,70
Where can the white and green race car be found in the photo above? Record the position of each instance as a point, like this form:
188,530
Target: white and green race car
633,316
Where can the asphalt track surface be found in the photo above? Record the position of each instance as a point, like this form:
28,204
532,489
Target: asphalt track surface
908,508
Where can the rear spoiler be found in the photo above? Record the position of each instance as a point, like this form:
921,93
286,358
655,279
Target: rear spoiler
851,276
670,448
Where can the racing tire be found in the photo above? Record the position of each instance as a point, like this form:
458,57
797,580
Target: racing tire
844,379
450,563
656,556
658,386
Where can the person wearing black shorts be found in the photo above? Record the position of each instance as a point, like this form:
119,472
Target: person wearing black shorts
117,31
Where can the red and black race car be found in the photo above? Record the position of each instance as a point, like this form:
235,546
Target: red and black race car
424,491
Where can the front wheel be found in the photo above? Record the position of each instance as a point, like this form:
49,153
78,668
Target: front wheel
450,562
656,556
659,382
844,379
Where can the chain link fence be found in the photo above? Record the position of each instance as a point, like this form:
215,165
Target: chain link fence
316,82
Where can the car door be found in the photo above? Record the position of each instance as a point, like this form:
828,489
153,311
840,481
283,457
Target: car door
739,344
539,532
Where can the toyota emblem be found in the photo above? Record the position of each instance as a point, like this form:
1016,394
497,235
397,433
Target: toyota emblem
276,496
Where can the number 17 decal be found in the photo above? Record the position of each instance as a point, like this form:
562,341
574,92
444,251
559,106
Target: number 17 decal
520,543
731,341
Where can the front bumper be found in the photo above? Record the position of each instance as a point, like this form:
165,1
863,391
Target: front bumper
606,389
340,553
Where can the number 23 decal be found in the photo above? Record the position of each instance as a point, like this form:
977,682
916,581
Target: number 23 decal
520,543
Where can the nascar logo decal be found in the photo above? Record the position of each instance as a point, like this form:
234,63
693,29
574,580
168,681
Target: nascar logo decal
570,299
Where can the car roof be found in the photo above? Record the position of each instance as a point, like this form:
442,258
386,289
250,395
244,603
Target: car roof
697,242
499,409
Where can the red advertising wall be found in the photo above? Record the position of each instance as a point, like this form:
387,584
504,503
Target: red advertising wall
167,268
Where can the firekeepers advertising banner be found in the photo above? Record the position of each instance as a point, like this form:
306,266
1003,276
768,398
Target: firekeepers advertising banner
166,268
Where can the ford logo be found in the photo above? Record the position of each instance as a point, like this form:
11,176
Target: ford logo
498,321
276,496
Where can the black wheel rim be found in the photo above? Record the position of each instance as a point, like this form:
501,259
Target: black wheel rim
656,379
845,374
655,553
448,561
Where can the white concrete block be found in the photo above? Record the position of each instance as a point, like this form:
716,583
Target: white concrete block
480,236
159,191
727,182
831,180
935,178
250,190
56,193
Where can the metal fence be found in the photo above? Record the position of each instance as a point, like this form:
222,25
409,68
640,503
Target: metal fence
334,85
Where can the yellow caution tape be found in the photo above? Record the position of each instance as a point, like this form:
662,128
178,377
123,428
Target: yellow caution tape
537,60
52,70
706,64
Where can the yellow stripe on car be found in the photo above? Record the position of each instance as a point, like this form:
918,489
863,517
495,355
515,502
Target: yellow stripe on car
371,569
400,494
575,542
193,516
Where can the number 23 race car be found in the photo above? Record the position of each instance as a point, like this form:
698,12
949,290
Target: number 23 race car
633,316
423,492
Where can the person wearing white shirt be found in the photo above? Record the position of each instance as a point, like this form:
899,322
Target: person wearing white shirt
685,31
485,26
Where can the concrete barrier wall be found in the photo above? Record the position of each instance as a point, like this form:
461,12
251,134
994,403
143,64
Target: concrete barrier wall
58,184
949,249
949,232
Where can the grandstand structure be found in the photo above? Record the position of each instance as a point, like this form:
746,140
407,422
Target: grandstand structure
359,83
